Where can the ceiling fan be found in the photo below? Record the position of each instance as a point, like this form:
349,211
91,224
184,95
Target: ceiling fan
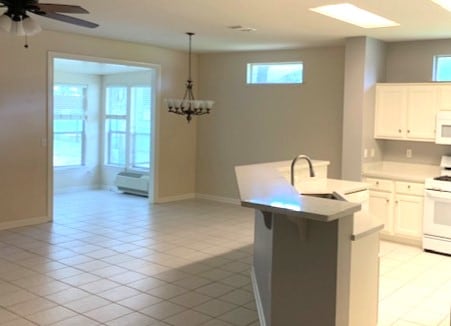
17,21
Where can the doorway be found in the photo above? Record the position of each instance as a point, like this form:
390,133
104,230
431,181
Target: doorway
101,123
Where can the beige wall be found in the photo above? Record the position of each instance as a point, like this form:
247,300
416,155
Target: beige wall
24,164
249,123
365,66
353,107
374,73
263,123
411,62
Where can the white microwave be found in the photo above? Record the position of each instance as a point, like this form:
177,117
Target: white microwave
443,128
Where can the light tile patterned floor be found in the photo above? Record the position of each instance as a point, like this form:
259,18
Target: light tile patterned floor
111,259
415,287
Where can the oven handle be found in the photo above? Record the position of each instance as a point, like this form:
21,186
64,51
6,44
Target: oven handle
438,194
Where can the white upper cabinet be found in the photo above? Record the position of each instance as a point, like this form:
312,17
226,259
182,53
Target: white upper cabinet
391,104
443,97
407,111
421,111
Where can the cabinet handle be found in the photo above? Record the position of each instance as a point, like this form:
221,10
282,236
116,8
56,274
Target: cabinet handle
408,187
408,131
388,200
399,130
377,183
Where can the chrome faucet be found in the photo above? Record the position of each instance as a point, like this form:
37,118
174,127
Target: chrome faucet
293,163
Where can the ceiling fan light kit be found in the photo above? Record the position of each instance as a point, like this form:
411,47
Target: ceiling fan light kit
188,106
20,27
16,20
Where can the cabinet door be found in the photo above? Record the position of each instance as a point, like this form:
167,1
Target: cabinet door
390,111
421,110
408,216
443,97
381,206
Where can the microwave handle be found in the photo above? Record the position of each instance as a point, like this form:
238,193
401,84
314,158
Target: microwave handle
439,194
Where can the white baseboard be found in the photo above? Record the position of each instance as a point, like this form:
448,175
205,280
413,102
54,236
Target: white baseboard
168,199
220,199
24,222
258,300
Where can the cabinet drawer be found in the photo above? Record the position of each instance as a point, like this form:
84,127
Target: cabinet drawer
409,188
380,184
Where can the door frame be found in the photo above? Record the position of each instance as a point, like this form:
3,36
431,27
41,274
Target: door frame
155,117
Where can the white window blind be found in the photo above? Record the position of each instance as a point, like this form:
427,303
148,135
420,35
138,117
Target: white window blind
69,110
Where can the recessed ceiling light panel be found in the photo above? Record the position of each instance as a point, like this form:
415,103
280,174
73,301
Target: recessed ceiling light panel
446,4
354,15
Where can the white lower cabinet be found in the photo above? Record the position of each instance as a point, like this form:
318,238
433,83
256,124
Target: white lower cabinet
381,205
408,216
399,205
364,294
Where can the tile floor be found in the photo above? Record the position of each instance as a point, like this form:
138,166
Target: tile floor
111,259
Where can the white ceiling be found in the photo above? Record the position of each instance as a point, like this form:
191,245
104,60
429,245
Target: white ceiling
280,24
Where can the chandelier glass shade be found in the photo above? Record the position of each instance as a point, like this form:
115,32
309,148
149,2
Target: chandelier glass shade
188,106
19,25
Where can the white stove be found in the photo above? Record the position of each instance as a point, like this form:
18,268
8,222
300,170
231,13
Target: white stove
437,210
441,183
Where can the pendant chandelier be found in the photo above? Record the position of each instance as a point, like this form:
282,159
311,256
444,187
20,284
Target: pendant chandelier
188,105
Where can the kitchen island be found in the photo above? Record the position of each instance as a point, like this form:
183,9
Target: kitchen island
315,259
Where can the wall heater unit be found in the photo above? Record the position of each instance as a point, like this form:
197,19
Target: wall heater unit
132,183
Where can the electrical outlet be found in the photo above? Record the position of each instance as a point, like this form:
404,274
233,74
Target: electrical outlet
409,153
365,153
372,152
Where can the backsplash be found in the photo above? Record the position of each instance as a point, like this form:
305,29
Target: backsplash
422,152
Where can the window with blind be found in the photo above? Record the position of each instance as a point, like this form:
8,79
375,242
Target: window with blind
69,110
275,73
127,126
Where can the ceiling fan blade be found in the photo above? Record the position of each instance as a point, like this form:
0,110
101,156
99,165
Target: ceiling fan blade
53,7
69,19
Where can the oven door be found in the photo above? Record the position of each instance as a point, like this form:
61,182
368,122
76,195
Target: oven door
437,214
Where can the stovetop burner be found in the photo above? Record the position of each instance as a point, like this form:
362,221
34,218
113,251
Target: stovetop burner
443,178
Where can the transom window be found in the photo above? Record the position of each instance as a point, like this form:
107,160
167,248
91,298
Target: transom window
442,68
127,120
69,110
275,73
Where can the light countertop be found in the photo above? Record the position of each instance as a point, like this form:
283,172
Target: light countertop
263,187
328,186
400,171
